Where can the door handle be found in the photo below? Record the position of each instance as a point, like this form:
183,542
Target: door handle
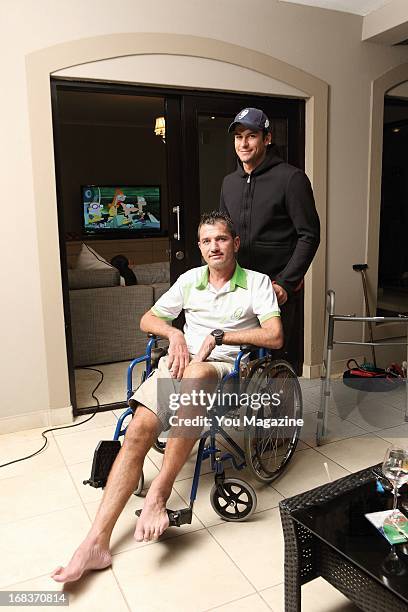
176,210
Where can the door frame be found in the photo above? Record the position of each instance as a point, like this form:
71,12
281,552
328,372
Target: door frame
379,88
182,107
42,63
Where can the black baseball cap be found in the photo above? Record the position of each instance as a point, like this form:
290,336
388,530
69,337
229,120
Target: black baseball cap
252,118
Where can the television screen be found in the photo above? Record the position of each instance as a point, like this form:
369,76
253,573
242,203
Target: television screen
121,209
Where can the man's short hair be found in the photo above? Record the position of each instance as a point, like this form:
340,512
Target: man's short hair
216,216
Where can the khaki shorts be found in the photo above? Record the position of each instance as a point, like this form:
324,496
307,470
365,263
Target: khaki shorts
147,393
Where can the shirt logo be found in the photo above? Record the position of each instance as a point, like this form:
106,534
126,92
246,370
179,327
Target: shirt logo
237,314
243,113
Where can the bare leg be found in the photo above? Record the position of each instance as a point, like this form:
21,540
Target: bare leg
124,476
154,520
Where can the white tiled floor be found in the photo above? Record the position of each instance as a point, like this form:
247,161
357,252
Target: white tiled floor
208,565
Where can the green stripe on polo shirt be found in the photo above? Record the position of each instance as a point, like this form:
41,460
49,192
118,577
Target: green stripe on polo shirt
239,278
158,314
264,318
203,282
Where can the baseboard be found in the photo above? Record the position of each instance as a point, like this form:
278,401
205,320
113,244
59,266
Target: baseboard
32,420
338,367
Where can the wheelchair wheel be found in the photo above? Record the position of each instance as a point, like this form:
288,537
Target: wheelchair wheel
271,433
140,486
234,500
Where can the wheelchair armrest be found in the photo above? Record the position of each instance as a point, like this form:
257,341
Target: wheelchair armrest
248,348
155,338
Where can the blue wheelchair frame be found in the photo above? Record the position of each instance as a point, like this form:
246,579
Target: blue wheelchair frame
204,452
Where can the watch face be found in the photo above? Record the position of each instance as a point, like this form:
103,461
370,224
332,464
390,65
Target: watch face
218,335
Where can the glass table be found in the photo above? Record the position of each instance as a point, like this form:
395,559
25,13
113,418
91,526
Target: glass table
326,534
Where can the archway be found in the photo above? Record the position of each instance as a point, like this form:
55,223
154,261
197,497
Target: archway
41,64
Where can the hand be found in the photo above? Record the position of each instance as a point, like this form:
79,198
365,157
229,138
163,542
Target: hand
206,349
281,294
179,356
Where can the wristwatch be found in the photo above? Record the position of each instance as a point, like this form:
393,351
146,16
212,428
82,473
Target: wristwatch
218,335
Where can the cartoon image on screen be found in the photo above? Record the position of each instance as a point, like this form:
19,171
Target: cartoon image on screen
109,209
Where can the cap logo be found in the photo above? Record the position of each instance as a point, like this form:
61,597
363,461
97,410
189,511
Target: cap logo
243,113
266,123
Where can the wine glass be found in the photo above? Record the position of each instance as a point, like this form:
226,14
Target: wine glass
395,468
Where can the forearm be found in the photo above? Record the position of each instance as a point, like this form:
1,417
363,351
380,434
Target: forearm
266,338
297,266
149,323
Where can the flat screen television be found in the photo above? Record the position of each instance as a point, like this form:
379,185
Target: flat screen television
121,210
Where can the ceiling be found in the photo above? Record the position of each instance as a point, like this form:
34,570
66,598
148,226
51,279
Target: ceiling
358,7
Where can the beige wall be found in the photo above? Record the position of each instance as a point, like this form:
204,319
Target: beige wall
323,43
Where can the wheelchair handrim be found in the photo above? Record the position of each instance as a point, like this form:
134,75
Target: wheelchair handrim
254,449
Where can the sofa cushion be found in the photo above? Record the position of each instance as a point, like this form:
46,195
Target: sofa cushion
88,279
159,289
152,273
105,323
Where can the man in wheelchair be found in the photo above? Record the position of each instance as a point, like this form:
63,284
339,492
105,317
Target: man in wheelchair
225,306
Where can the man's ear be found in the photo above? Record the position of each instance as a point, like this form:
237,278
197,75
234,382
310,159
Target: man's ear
268,138
237,242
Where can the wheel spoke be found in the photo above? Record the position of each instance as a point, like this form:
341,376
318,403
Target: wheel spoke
233,500
269,450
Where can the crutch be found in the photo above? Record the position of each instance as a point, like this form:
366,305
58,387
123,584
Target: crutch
362,268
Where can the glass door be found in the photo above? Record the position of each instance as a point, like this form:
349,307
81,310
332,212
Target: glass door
211,152
113,135
117,150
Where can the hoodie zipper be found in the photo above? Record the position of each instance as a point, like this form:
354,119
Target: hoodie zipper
246,222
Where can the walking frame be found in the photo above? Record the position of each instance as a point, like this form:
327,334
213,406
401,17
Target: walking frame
325,389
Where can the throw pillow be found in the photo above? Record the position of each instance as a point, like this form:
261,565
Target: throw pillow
88,259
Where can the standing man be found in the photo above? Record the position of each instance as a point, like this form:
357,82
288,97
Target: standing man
272,207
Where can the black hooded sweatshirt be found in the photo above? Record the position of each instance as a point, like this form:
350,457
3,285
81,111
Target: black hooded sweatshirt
274,213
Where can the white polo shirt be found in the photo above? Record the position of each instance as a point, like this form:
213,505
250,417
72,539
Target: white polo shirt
244,302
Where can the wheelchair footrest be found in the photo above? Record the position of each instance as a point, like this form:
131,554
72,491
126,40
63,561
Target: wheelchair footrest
104,457
177,518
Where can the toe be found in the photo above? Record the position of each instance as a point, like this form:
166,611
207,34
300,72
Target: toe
58,576
138,533
146,535
155,533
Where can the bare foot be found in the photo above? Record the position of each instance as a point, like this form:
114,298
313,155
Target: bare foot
153,521
89,556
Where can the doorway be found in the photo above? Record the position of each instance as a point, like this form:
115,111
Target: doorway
392,297
188,163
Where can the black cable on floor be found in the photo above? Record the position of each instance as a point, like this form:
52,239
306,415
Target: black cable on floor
64,426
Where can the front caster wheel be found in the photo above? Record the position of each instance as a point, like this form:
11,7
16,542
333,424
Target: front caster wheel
160,446
234,500
140,486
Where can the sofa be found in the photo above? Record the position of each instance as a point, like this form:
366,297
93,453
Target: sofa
105,316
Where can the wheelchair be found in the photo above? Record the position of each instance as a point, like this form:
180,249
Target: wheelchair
266,450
